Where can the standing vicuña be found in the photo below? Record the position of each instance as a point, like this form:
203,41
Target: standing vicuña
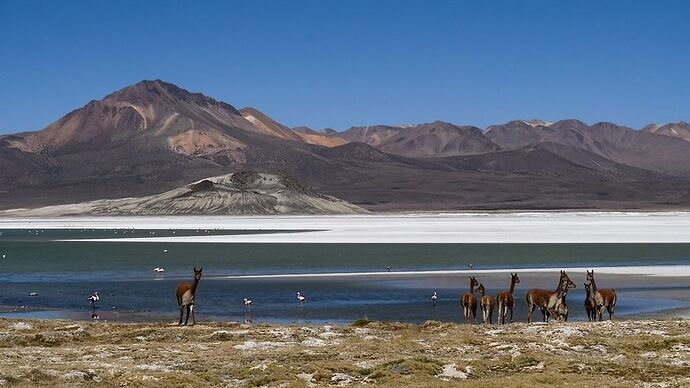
469,301
603,297
185,297
590,304
557,304
505,300
546,300
486,303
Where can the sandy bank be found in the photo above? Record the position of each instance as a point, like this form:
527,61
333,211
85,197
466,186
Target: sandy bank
217,354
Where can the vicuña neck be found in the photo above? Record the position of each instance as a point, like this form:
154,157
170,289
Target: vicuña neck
563,290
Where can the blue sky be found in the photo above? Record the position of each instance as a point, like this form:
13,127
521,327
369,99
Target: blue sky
343,63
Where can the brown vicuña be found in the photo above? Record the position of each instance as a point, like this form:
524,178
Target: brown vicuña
590,304
469,301
603,297
558,305
505,300
486,303
185,297
547,301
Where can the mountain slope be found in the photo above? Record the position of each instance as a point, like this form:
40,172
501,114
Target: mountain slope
556,160
327,138
273,128
373,135
423,140
518,133
438,139
645,149
624,145
267,125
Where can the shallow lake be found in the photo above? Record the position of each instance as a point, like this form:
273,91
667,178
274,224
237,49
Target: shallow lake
62,274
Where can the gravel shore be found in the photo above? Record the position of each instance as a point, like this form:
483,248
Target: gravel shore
53,352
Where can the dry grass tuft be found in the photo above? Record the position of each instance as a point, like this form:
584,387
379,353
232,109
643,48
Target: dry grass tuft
627,353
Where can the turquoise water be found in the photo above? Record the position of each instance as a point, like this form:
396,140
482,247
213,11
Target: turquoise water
65,273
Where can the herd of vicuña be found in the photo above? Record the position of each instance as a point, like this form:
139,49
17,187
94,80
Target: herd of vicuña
552,304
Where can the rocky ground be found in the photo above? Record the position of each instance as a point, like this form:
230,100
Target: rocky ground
626,353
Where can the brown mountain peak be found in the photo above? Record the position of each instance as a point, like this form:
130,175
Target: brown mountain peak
569,124
158,92
149,112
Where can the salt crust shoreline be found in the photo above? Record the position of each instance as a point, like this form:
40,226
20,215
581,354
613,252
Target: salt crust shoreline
441,228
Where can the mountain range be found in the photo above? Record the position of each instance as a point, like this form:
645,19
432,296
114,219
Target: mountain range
154,136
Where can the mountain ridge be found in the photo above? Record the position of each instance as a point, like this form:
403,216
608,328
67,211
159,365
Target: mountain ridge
155,136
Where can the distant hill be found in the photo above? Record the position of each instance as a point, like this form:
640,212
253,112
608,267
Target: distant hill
240,193
642,149
518,133
154,136
680,129
424,140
